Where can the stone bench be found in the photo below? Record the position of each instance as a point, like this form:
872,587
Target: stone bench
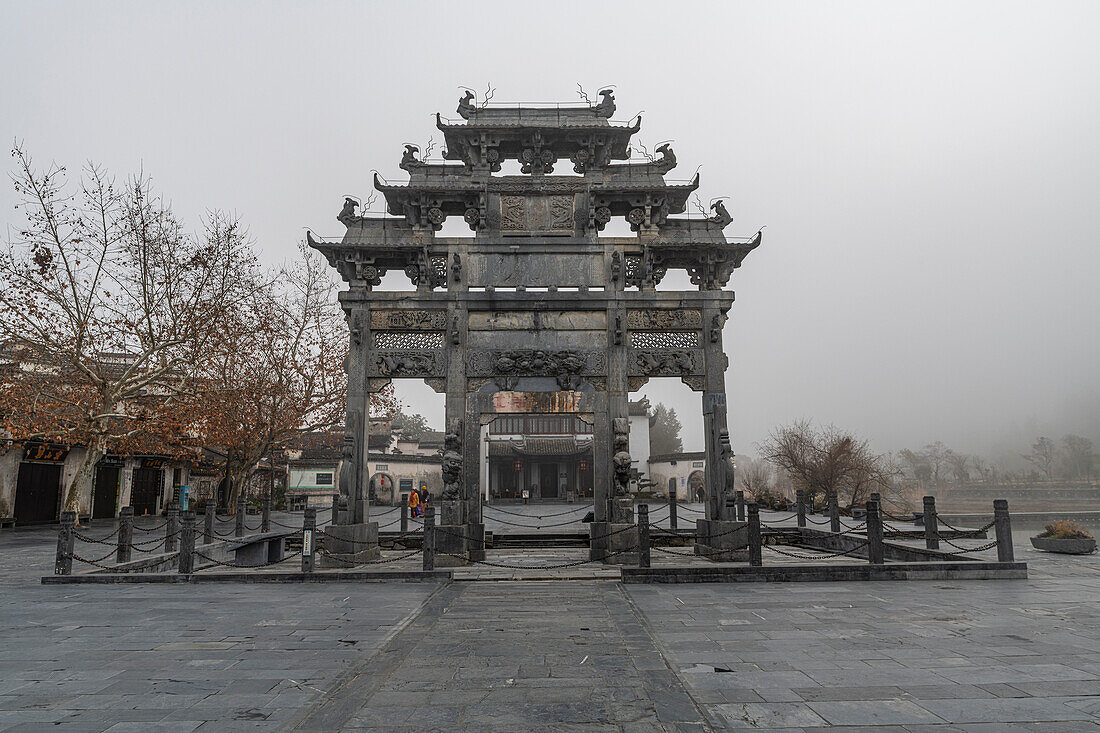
261,549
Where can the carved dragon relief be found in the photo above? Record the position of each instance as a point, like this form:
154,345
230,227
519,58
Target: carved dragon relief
663,319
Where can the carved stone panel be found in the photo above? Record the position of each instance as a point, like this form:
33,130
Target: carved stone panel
408,320
535,363
536,269
661,319
535,320
536,214
409,363
666,362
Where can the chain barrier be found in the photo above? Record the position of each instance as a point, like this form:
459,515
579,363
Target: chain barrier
97,561
693,511
964,551
702,552
533,526
94,541
961,529
391,510
150,529
820,524
382,561
573,510
284,526
821,556
236,565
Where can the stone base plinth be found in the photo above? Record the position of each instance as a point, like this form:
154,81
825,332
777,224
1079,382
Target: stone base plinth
615,543
720,540
475,541
449,542
350,543
622,510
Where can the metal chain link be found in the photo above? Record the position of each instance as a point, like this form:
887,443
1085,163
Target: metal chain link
350,563
815,557
92,562
491,507
93,540
150,529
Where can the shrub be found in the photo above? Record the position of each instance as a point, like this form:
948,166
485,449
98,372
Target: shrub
1065,529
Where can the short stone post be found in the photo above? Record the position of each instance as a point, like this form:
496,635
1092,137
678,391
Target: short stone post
172,529
404,513
755,549
66,538
265,518
874,533
800,505
335,520
672,519
739,498
209,513
187,543
125,534
309,532
429,538
238,530
1002,525
834,512
643,535
931,524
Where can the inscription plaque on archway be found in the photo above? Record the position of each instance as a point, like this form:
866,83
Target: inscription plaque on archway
536,312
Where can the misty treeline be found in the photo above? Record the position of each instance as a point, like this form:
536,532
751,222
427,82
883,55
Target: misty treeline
123,331
818,460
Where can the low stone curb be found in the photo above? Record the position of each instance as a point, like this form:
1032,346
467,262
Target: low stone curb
250,577
817,573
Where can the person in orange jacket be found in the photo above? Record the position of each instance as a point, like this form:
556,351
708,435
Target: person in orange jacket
414,503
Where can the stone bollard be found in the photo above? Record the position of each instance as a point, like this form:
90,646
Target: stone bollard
429,538
342,510
672,519
238,530
335,520
125,534
739,499
172,529
309,532
834,512
209,513
63,563
931,524
1002,525
404,513
800,503
187,543
874,533
755,548
265,518
643,535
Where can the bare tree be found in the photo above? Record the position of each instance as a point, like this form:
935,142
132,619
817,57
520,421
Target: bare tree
1078,456
823,460
754,477
959,463
103,298
1042,456
936,454
275,370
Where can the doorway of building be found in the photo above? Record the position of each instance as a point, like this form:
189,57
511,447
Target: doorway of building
37,493
548,480
105,493
145,496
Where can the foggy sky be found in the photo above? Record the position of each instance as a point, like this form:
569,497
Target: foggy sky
927,172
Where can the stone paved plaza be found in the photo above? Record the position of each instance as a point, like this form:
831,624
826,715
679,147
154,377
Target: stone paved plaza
550,655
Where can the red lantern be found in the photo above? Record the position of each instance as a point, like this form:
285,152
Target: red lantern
582,465
517,466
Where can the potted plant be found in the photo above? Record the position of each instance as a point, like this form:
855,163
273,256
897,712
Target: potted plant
1065,536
